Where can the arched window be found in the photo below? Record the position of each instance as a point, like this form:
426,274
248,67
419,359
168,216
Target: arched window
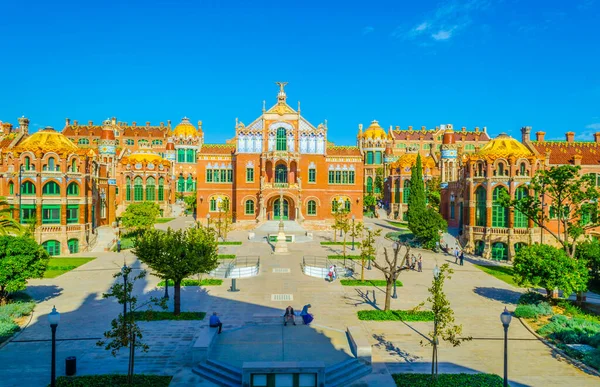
281,139
128,188
249,207
499,212
189,187
73,189
369,157
522,169
406,191
347,205
28,188
281,174
369,184
83,141
479,247
161,189
138,189
190,156
73,165
50,166
479,169
378,157
480,214
51,188
129,141
520,218
150,189
312,207
143,142
27,163
180,184
52,247
73,246
397,191
499,170
11,188
500,251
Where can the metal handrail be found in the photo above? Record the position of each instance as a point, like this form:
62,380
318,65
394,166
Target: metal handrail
321,261
242,262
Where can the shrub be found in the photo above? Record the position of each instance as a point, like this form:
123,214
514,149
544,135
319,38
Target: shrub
533,310
113,380
448,380
193,282
356,257
339,243
395,315
229,243
531,298
572,331
226,256
7,328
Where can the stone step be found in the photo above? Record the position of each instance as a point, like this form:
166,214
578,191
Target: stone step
219,374
346,375
231,370
338,370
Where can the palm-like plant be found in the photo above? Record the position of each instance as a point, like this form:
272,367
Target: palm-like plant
8,225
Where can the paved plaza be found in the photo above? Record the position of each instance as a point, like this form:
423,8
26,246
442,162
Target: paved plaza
476,297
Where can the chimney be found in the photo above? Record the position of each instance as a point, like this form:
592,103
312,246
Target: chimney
90,123
147,123
577,159
113,120
169,123
397,127
67,121
162,124
476,129
597,137
75,123
24,124
410,128
570,136
539,136
423,128
134,124
525,134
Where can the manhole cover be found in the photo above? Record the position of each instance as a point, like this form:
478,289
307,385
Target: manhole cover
282,297
281,270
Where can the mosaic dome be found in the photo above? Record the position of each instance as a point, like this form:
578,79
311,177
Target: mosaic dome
374,131
47,140
504,146
185,129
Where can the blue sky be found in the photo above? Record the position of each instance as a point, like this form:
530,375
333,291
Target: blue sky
500,64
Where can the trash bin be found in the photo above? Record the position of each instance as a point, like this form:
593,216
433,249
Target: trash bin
70,365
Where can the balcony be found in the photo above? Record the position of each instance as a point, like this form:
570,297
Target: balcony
281,185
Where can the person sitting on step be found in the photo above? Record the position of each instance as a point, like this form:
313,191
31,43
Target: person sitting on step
289,315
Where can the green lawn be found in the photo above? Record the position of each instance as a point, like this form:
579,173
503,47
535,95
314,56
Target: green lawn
159,315
356,257
503,273
395,315
226,256
113,381
448,380
61,265
398,224
127,242
229,243
353,282
164,220
339,243
193,282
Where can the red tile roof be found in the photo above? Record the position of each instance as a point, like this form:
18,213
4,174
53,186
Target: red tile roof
217,149
429,135
562,152
127,131
334,150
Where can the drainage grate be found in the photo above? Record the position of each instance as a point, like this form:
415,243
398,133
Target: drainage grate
281,270
282,297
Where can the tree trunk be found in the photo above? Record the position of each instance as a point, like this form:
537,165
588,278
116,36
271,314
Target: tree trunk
177,297
388,292
131,359
362,270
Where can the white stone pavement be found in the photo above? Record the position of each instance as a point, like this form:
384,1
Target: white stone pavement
476,297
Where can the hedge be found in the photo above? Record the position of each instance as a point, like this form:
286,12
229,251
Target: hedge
351,282
229,243
113,381
160,315
395,315
193,282
533,310
448,380
339,243
226,256
355,257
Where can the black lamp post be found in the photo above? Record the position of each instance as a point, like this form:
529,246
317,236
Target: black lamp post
125,272
353,231
53,319
505,318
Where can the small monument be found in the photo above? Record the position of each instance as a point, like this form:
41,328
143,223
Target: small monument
281,245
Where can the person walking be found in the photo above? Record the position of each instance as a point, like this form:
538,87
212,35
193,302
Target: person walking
462,257
420,263
456,255
330,273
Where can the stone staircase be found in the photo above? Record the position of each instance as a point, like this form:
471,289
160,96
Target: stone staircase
344,373
219,373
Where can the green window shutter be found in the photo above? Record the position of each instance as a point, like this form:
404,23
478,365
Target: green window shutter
312,207
351,177
331,177
281,139
249,207
312,175
213,204
249,175
51,214
72,213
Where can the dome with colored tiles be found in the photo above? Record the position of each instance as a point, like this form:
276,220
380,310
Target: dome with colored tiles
185,129
374,131
504,146
47,140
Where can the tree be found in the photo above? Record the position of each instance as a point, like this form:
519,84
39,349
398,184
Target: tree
8,225
379,180
427,228
573,198
393,269
224,221
191,203
21,259
443,322
416,200
367,248
141,216
589,251
433,193
369,202
549,268
177,255
125,333
340,216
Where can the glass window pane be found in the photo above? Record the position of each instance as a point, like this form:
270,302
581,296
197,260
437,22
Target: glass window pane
284,380
259,380
307,380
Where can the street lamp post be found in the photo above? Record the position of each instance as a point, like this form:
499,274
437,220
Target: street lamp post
505,318
53,319
436,276
353,231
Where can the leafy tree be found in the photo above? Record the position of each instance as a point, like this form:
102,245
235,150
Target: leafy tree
140,216
125,333
433,193
393,269
191,203
589,251
177,255
379,181
572,197
21,259
548,267
367,248
8,225
369,202
427,228
443,325
416,200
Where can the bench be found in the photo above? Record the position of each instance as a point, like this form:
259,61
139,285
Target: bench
203,344
359,343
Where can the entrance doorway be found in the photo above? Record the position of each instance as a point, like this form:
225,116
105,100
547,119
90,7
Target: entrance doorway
277,208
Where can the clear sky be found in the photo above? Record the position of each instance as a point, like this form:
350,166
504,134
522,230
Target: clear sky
500,64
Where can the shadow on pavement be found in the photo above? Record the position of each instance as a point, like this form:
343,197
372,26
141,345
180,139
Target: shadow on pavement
498,294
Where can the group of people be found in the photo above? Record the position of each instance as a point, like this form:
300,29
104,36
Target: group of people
459,256
413,262
290,315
